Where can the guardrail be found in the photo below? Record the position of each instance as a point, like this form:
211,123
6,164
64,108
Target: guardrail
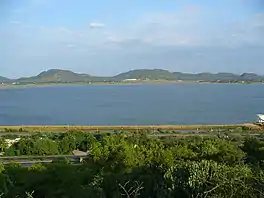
29,160
42,157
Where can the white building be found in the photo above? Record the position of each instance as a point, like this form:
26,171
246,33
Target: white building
260,118
11,142
132,79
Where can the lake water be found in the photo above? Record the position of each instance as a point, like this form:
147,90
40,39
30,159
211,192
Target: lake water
132,104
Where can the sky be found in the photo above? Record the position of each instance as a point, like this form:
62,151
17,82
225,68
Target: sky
107,37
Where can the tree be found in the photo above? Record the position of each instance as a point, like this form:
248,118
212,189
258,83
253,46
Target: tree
254,149
3,145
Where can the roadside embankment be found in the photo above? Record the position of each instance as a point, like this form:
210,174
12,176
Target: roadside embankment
61,128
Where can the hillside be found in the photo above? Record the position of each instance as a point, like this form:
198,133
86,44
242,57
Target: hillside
3,79
206,76
66,76
159,74
250,77
151,74
56,75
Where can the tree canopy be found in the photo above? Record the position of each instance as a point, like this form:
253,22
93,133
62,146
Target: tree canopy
136,166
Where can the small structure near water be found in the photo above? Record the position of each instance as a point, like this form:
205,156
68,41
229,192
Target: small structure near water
131,79
260,119
80,154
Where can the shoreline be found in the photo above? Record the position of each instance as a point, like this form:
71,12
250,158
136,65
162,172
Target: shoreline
23,86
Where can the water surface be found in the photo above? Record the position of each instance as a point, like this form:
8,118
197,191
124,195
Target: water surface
132,104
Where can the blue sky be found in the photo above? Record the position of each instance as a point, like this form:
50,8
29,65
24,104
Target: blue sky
113,36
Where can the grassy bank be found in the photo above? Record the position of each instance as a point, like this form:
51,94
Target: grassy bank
54,128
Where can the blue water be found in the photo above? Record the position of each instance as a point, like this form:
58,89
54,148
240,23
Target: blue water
132,104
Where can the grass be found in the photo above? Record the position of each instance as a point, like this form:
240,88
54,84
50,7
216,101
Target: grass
60,128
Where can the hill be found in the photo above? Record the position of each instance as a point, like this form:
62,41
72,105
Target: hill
151,74
56,75
3,79
159,74
210,77
66,76
251,77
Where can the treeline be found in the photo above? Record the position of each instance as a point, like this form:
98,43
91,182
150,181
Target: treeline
49,144
137,166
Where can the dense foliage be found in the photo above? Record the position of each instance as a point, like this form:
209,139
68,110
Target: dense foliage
137,166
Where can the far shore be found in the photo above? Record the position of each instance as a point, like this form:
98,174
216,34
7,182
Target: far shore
9,86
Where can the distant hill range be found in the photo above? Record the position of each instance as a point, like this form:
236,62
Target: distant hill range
66,76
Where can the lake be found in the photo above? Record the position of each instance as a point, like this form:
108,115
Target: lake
132,104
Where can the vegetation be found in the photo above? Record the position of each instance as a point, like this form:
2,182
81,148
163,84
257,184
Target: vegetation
135,165
63,128
143,74
66,76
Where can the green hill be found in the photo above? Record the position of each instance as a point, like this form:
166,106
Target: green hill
151,74
251,77
56,75
206,76
159,74
3,79
66,76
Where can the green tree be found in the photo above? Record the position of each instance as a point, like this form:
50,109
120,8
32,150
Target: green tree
254,149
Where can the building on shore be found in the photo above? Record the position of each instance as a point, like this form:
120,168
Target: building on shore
260,118
132,79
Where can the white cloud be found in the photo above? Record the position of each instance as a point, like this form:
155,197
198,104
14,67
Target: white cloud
199,54
70,46
181,40
112,39
184,41
96,25
64,29
165,29
15,22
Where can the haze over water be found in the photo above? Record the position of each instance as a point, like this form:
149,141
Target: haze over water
132,104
